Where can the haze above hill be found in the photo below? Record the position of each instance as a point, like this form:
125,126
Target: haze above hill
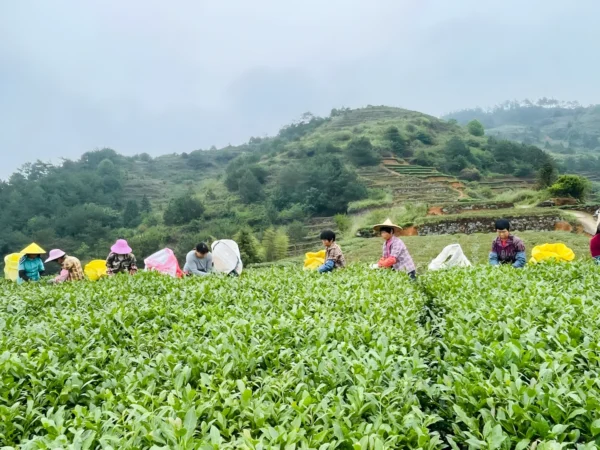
162,77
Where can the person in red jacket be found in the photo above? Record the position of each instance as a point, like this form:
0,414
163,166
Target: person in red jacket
595,246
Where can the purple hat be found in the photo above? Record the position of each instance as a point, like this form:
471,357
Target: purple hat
55,254
121,247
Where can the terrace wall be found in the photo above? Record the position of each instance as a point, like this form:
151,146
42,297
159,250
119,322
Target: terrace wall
486,225
457,208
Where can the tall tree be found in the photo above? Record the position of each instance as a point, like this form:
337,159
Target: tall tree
249,246
282,242
250,188
131,215
268,244
145,206
547,175
398,143
183,210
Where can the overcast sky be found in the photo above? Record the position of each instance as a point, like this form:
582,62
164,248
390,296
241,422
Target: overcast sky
173,76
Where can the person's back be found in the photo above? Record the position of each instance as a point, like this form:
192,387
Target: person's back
73,266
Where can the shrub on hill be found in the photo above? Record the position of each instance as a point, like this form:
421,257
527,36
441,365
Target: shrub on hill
361,153
322,185
572,186
470,174
182,210
475,128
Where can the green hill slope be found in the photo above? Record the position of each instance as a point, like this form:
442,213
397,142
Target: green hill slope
313,168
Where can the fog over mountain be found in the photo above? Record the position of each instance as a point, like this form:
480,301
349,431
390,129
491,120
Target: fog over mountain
163,77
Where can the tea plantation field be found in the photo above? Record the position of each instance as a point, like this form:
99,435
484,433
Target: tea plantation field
284,359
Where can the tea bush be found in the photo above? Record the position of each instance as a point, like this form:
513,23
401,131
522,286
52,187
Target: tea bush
280,358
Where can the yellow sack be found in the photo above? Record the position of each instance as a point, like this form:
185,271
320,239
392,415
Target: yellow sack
313,261
558,252
11,266
95,269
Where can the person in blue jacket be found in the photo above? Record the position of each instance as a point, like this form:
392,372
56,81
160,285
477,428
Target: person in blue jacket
31,266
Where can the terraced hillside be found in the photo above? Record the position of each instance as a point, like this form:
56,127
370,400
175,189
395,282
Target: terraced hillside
408,187
503,183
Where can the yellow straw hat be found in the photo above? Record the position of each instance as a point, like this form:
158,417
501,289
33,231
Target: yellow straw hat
388,224
33,249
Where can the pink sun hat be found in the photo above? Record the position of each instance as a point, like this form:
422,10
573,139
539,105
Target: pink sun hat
121,247
55,254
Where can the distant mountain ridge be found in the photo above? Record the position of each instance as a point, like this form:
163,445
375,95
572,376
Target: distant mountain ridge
561,127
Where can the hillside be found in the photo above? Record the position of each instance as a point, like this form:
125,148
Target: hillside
293,182
569,131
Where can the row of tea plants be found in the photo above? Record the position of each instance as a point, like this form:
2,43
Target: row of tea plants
280,358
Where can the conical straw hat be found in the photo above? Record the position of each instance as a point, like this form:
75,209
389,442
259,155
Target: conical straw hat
33,249
388,223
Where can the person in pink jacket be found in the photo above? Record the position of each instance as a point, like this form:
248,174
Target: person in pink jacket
395,254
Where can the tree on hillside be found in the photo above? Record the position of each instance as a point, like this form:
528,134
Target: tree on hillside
425,137
361,153
457,147
296,231
145,206
424,158
268,244
471,174
275,244
458,156
198,159
248,245
107,167
250,188
236,168
320,185
398,143
475,128
183,210
282,242
131,215
547,175
571,186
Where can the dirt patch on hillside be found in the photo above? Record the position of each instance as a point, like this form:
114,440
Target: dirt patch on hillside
435,211
391,162
564,201
563,226
409,231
